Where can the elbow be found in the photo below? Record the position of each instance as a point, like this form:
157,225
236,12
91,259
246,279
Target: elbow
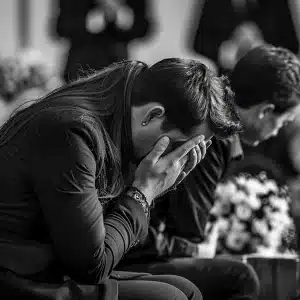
103,268
99,268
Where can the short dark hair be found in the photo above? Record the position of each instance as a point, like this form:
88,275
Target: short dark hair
190,93
267,74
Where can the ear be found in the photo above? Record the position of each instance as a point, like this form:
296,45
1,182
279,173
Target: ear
265,109
153,113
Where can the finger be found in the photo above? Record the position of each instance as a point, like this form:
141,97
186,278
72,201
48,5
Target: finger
158,149
199,154
184,149
183,161
208,144
192,162
202,145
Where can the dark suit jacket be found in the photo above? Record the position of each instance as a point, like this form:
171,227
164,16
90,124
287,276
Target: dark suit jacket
50,215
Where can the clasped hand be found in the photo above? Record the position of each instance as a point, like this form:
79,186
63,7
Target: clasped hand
157,174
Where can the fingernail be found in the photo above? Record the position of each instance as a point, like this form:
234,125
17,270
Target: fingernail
201,138
165,139
202,143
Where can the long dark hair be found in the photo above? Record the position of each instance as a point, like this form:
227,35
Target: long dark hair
186,88
104,95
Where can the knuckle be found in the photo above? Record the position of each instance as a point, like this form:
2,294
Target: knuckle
172,163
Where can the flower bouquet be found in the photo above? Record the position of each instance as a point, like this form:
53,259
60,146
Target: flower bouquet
252,215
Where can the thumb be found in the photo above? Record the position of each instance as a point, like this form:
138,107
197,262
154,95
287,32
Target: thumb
159,149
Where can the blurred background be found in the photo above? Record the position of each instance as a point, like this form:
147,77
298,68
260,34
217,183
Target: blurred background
31,24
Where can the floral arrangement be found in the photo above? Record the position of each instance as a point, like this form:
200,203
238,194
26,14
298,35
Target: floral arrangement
26,70
253,216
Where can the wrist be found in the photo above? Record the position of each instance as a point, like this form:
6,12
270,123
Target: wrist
138,196
145,190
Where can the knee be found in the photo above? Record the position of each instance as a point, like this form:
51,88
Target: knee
187,287
192,293
170,292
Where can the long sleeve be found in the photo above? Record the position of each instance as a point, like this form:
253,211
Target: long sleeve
64,167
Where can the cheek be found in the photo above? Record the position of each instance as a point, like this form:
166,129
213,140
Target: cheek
266,127
272,127
144,142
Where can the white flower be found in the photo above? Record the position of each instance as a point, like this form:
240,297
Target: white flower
237,241
237,225
223,226
226,191
266,251
279,203
254,202
273,239
220,208
279,220
270,186
238,197
242,180
255,186
260,227
243,211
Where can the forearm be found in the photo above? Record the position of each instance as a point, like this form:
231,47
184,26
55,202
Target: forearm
125,225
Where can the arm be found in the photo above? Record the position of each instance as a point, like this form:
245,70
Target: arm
64,166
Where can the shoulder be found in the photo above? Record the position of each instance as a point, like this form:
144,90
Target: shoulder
56,128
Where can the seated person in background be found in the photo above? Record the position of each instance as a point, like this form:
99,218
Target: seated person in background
266,85
24,77
81,168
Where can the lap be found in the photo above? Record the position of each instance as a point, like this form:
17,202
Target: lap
144,286
149,289
181,283
212,276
